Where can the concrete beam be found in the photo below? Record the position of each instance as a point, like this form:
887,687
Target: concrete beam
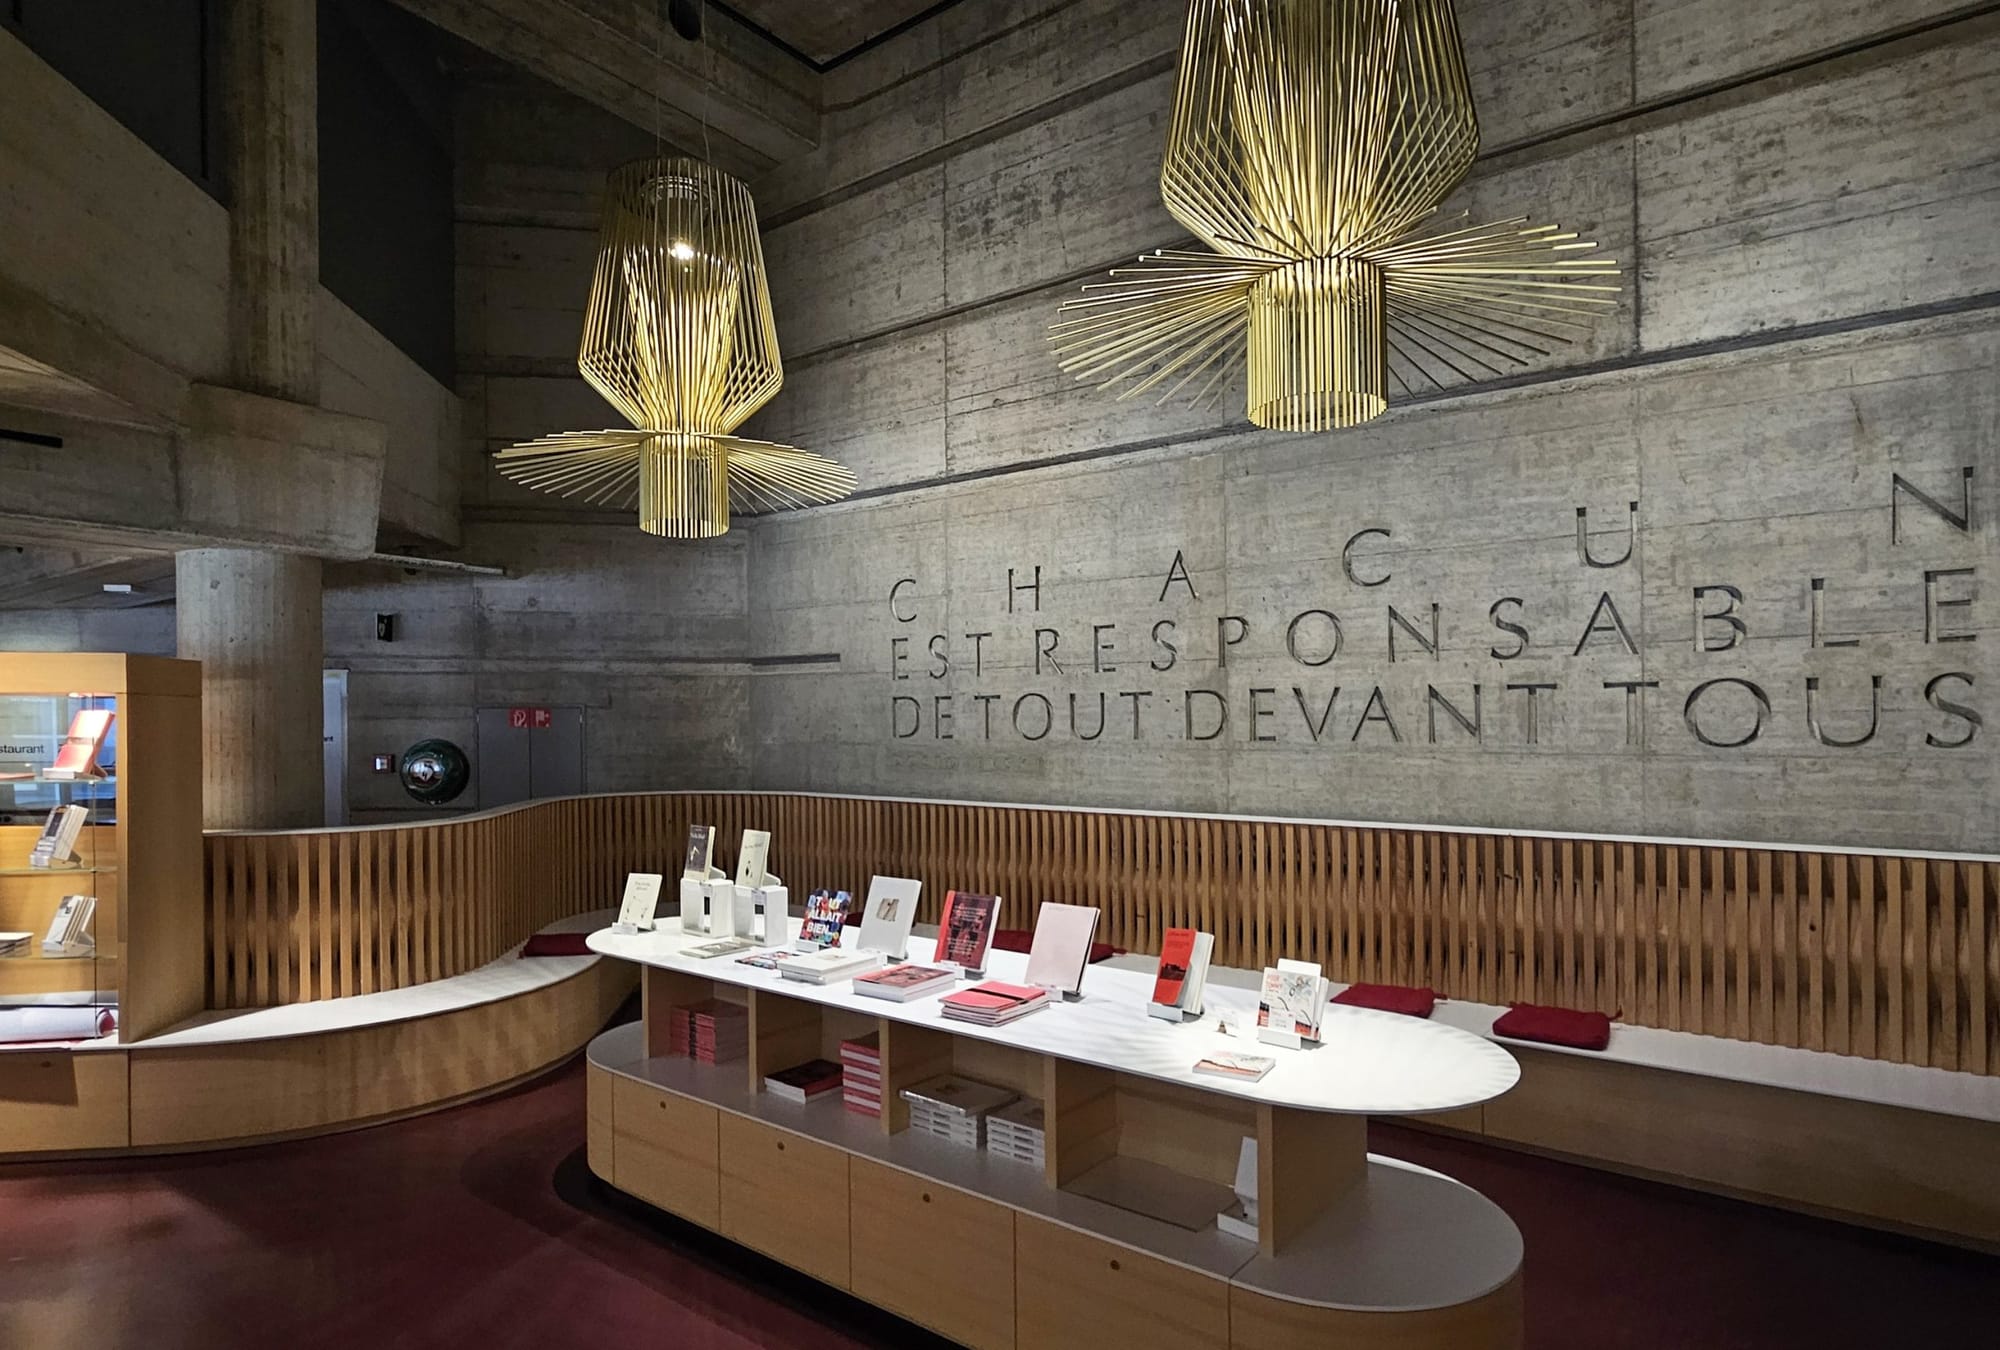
760,104
241,471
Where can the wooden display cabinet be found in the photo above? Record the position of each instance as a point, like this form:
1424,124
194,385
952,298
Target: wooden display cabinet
140,854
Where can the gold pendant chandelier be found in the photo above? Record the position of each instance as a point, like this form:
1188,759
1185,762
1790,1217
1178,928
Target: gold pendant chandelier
1309,139
679,338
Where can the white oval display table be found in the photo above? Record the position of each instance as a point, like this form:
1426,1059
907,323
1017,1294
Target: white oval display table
1114,1232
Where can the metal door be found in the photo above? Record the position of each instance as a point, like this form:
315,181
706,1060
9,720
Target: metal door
526,753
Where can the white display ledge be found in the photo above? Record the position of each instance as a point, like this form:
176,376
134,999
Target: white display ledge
1912,1087
1368,1063
1405,1240
507,976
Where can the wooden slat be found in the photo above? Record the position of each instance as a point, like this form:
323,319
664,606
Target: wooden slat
1867,954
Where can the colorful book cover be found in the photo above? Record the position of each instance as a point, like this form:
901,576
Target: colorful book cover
1291,1000
1176,952
966,928
826,915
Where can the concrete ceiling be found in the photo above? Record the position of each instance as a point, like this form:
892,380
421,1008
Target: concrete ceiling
826,30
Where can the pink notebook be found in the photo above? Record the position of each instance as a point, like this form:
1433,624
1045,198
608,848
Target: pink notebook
994,994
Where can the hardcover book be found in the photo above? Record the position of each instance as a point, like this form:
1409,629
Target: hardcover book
965,930
1060,950
803,1082
886,918
700,849
993,1003
828,965
750,858
900,984
826,915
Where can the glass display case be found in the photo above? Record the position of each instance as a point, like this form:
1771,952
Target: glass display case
59,897
100,845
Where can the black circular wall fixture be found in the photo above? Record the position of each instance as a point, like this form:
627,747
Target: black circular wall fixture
434,771
685,16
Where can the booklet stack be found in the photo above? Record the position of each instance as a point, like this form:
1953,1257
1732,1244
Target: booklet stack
994,1003
14,944
861,1075
1017,1132
713,1032
954,1108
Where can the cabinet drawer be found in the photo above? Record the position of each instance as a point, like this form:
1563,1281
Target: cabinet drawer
786,1196
937,1256
600,1086
1073,1290
664,1150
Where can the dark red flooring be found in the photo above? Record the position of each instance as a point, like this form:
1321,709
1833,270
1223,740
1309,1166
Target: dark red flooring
481,1227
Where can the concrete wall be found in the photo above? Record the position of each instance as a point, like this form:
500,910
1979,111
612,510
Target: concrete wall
1803,197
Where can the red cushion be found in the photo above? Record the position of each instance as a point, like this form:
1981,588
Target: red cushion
1020,940
1395,998
1554,1026
557,944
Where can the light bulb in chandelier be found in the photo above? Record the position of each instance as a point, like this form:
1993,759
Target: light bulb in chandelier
1310,140
678,337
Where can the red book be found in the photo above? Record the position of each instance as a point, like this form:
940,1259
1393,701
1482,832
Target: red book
965,929
1176,952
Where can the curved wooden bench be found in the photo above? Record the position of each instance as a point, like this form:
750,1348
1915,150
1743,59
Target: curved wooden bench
253,1076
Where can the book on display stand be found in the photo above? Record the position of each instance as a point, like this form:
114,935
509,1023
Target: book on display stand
826,916
641,903
1291,1004
1183,975
1060,950
887,915
699,878
965,930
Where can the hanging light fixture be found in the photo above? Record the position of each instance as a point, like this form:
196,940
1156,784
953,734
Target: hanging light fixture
1309,139
679,338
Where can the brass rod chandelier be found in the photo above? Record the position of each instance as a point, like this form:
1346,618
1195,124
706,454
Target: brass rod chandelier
1309,141
679,338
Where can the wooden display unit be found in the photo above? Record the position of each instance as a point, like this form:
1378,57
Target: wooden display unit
1112,1238
144,863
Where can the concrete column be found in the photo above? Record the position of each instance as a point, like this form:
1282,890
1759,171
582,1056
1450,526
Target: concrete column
270,92
253,621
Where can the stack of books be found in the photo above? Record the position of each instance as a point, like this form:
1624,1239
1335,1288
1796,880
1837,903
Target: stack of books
713,1032
14,944
861,1075
829,966
994,1003
900,984
803,1082
1017,1132
954,1108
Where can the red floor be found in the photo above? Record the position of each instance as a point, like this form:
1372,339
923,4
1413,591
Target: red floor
481,1227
